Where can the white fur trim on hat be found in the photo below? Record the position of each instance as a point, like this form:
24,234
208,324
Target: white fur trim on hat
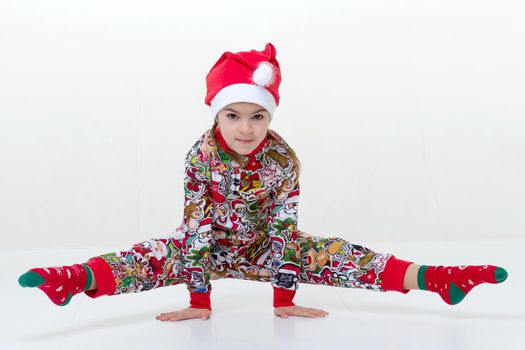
243,93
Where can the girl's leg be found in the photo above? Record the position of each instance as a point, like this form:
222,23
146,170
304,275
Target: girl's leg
410,279
334,261
147,265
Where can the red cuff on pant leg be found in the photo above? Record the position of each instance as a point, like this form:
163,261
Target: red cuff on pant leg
394,275
103,276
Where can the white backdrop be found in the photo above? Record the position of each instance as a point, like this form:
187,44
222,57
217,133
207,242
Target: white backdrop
408,116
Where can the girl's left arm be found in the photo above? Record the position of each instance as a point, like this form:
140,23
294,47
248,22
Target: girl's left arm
284,248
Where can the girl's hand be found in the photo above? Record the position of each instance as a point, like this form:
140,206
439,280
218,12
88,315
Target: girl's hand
184,314
297,310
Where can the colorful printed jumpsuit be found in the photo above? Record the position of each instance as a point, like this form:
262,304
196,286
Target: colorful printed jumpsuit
242,223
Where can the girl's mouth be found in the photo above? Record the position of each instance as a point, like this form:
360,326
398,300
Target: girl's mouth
244,141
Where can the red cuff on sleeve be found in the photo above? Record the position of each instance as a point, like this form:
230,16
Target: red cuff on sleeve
200,300
283,297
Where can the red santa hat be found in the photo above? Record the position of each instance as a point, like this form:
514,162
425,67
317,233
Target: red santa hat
245,76
293,197
238,204
205,225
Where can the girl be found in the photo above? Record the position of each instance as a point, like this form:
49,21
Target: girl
240,219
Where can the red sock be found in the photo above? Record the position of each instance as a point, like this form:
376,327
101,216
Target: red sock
59,283
453,283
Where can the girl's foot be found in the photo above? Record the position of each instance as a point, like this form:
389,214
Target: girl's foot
453,283
59,283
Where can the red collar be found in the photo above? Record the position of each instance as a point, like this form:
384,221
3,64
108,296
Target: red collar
224,145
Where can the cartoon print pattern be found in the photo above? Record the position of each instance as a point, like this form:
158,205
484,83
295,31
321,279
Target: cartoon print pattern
324,261
242,223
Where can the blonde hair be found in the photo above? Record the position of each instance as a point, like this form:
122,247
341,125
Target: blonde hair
243,160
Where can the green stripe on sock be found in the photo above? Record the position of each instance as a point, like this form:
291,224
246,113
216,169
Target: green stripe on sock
421,277
89,277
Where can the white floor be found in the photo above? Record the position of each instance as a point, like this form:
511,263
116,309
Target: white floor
492,316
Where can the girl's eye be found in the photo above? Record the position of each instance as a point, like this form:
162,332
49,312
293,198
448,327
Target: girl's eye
257,116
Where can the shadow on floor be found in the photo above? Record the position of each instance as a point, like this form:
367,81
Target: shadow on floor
414,310
102,323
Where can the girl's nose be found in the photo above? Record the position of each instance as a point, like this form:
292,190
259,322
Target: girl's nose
245,127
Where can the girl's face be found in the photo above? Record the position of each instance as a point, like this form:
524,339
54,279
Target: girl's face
243,125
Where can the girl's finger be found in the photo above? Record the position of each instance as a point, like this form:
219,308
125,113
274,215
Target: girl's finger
316,313
175,317
306,313
179,318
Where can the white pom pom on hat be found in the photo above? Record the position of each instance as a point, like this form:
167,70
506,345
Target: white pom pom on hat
246,76
263,75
